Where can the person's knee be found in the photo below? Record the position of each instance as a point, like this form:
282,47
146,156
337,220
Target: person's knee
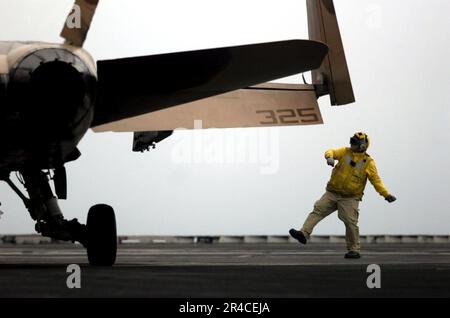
349,216
344,218
349,221
321,209
317,209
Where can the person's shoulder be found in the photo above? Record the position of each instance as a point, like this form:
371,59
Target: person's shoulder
369,159
346,150
341,149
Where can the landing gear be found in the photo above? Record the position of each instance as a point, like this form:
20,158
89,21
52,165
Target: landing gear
99,236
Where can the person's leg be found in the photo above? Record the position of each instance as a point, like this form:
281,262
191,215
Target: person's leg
348,213
326,205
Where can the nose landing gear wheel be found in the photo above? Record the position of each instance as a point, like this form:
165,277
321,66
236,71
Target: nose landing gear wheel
101,235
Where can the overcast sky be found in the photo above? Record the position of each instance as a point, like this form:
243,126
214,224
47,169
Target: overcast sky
397,52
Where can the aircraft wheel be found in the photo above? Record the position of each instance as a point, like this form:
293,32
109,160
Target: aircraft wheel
101,235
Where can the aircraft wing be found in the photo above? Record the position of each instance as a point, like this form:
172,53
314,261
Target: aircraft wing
135,86
258,106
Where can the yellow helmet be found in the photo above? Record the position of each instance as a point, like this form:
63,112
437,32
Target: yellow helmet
360,139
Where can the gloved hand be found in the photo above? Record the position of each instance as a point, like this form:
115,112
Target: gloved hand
330,161
390,198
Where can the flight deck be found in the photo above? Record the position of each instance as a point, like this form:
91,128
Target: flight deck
261,270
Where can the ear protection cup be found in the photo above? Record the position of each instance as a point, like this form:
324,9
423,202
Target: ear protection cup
363,147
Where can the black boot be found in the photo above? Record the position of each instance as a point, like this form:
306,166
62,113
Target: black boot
298,235
352,254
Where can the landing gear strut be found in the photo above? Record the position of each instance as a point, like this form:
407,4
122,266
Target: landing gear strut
98,236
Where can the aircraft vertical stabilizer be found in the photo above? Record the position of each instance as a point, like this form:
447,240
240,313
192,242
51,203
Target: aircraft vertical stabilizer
333,73
82,14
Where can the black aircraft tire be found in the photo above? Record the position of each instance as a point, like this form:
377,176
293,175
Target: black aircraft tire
101,235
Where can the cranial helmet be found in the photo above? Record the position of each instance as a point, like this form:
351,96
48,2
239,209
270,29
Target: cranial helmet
360,139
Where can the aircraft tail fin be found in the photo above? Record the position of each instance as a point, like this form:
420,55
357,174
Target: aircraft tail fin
82,14
333,73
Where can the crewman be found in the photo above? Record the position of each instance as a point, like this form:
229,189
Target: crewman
345,190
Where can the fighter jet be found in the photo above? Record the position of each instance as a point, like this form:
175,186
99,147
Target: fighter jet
52,94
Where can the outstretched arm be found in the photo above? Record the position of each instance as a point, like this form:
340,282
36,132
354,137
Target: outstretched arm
377,183
335,153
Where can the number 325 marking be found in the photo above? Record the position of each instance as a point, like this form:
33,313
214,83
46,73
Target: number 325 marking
289,116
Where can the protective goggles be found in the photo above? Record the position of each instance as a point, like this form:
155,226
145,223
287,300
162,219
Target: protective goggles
356,141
